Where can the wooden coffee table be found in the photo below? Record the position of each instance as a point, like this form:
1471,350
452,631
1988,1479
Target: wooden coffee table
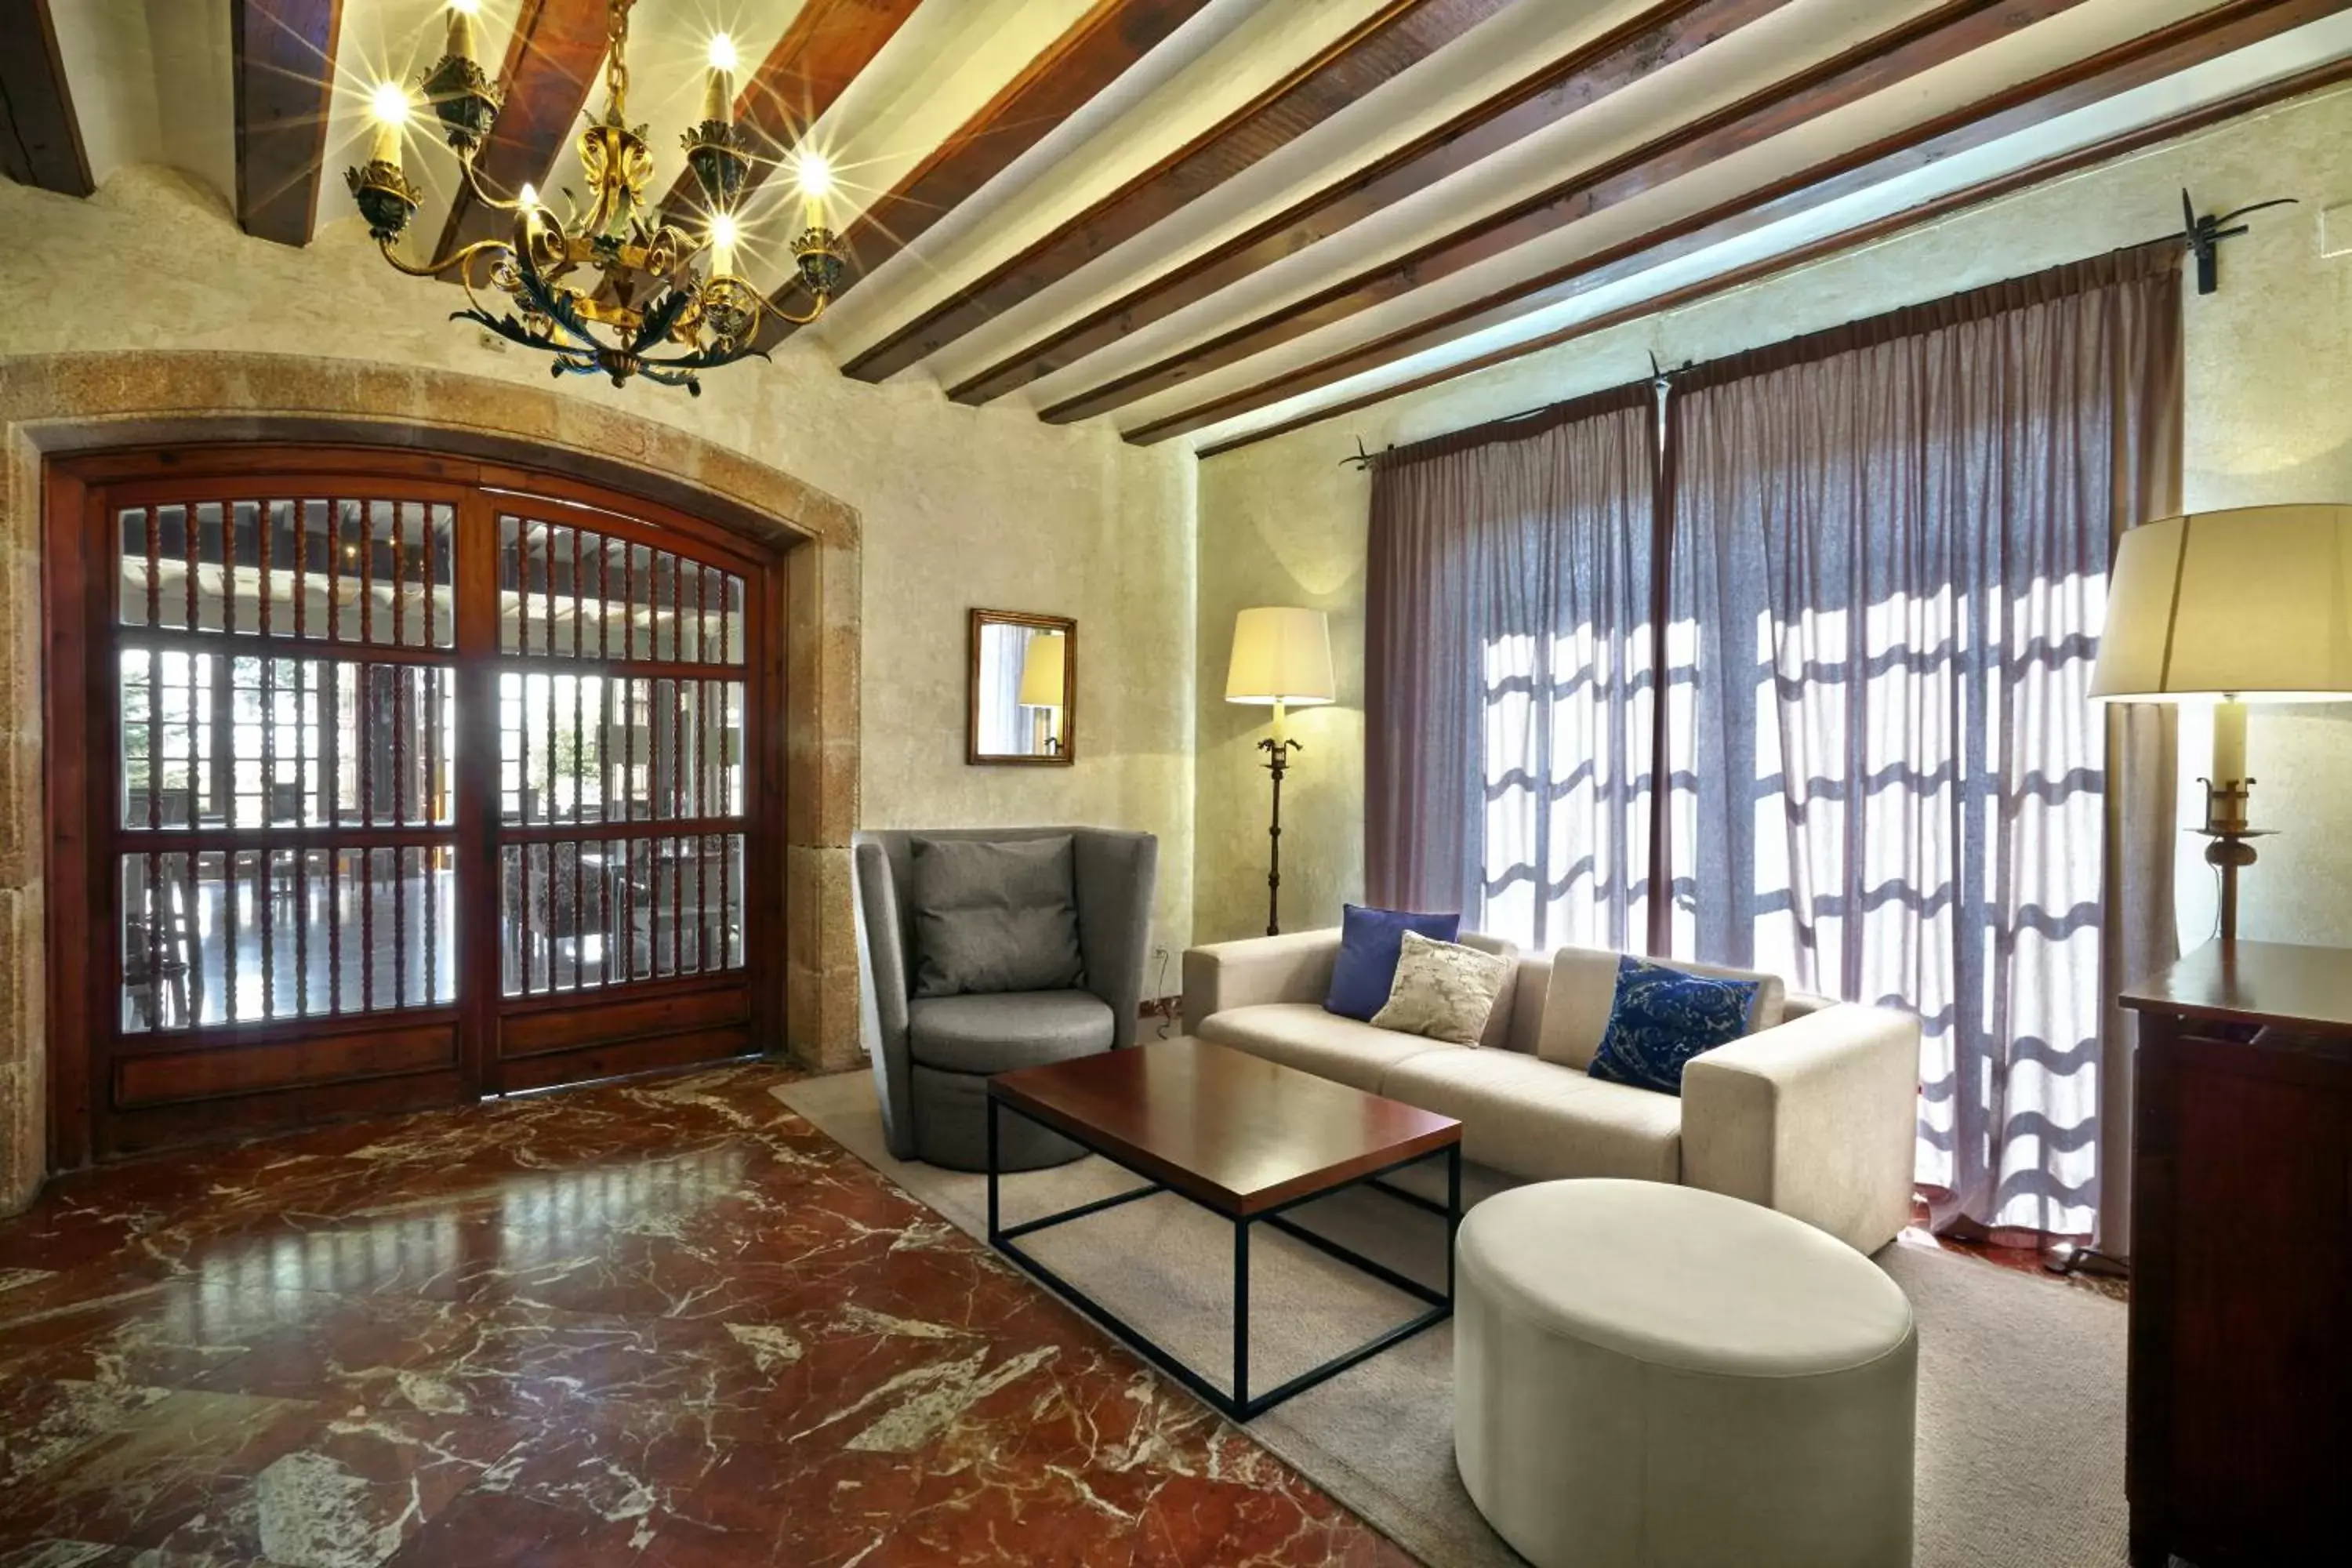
1243,1138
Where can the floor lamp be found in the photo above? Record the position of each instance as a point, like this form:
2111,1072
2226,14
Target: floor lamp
1282,658
2226,608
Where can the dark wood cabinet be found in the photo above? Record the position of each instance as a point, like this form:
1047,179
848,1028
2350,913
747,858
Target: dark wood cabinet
2240,1426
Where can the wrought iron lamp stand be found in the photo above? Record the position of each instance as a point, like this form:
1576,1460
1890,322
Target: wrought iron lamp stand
1277,764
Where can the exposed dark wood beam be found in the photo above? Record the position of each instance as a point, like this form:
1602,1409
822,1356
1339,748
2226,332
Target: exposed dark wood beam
2149,58
827,45
284,63
2106,150
551,68
1658,37
1094,52
1401,34
1920,44
40,139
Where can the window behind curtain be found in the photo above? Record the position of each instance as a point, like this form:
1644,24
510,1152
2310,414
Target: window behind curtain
1889,786
1508,735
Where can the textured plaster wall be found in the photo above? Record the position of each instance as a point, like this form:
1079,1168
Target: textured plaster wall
2269,419
957,507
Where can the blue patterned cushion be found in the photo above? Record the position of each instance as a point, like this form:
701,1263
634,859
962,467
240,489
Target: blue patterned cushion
1663,1016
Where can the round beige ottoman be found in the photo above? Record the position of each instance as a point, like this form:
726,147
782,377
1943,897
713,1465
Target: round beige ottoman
1649,1376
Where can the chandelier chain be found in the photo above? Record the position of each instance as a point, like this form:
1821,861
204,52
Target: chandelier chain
616,61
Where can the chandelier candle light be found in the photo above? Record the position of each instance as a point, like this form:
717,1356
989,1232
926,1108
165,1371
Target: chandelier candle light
638,305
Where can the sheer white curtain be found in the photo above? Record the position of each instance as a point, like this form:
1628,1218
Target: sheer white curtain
1508,734
1889,785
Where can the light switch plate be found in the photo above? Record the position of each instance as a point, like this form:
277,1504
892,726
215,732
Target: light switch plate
2335,229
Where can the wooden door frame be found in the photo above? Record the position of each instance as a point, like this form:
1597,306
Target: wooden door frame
75,603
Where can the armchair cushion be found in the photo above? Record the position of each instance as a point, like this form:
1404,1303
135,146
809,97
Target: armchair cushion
1003,1030
995,916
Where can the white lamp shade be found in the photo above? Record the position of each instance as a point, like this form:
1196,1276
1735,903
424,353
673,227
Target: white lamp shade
1281,655
1043,668
2254,602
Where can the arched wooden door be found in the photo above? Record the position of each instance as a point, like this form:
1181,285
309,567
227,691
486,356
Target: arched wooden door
403,780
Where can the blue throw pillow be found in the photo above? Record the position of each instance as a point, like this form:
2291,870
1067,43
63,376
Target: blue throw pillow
1663,1016
1369,942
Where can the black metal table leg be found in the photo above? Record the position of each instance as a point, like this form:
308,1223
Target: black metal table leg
1453,1214
995,1229
1241,1313
1238,1404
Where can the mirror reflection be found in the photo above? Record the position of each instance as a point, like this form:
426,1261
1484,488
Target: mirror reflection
1024,685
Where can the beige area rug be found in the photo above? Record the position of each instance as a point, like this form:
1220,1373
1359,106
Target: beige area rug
2021,1379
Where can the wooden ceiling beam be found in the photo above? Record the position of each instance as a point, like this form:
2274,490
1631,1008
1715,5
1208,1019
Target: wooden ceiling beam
1094,52
40,138
2135,62
1657,37
284,65
1401,34
827,45
1868,233
1917,45
551,68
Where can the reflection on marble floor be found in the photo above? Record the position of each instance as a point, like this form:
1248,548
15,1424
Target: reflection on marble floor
658,1323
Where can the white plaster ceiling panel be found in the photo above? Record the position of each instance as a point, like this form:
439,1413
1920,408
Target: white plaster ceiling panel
1481,63
1767,51
2151,105
2019,57
1225,56
153,81
150,83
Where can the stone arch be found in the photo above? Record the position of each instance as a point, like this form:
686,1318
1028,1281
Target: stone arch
53,404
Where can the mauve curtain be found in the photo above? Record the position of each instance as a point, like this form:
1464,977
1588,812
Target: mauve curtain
1507,730
1890,553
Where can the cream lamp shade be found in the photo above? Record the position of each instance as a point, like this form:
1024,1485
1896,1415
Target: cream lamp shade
1042,664
1281,655
2253,603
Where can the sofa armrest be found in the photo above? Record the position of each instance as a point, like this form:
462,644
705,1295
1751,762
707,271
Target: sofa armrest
1223,975
1817,1118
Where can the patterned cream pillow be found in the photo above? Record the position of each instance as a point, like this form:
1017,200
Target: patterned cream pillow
1443,990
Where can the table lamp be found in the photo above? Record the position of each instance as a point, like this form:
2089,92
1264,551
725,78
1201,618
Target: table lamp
1282,658
1044,666
2226,608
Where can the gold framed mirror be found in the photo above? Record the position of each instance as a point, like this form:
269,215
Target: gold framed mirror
1024,690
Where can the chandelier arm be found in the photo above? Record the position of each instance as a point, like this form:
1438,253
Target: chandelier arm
460,258
481,194
770,308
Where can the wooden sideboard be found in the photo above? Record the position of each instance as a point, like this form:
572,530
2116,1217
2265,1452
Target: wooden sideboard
2239,1436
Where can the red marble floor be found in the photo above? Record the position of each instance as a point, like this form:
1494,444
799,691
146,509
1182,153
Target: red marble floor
660,1323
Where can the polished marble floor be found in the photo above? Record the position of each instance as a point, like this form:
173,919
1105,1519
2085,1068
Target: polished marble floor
658,1323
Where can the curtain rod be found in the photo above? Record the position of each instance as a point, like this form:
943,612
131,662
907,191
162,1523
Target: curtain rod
2197,237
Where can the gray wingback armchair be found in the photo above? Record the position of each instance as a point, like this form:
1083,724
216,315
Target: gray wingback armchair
932,1055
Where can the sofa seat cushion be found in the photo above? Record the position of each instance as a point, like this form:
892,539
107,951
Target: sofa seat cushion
1302,1035
1007,1029
1541,1121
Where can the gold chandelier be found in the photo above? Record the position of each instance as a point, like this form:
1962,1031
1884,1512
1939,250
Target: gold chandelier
612,290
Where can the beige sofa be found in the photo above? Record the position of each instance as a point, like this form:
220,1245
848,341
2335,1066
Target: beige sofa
1813,1114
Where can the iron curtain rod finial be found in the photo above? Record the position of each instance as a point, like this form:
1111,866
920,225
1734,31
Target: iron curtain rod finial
2205,235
